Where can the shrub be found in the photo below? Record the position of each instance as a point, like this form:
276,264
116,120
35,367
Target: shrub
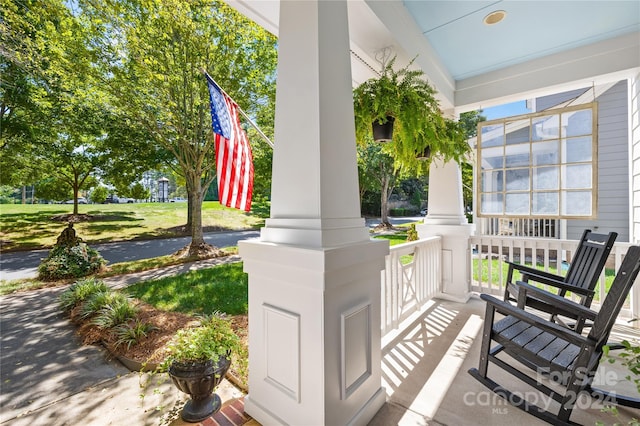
118,311
412,234
209,341
130,334
75,261
97,301
80,291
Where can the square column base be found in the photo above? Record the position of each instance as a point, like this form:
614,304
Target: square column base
456,258
314,332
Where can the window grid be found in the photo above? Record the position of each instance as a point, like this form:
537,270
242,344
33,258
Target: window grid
539,165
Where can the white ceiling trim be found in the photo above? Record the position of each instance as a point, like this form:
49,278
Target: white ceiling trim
600,62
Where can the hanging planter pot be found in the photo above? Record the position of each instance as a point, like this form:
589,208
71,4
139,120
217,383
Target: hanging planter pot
383,132
424,155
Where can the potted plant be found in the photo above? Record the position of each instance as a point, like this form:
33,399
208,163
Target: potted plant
404,100
197,360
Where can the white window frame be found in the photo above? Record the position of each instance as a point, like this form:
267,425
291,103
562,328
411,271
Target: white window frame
524,165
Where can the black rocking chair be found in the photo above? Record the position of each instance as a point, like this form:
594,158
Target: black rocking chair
561,355
581,279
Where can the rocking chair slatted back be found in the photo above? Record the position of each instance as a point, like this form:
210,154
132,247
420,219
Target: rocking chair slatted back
582,276
589,260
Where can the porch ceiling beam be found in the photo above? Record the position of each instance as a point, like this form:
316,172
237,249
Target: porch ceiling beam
602,62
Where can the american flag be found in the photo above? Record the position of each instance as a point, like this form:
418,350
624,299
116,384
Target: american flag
234,162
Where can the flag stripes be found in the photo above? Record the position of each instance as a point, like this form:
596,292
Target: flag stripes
234,160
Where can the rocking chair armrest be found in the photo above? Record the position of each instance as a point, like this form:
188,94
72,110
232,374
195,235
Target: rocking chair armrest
533,272
561,285
579,310
506,308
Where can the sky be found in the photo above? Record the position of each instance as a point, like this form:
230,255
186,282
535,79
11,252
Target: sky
506,110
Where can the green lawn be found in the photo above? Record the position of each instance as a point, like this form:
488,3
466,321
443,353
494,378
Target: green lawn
31,226
222,288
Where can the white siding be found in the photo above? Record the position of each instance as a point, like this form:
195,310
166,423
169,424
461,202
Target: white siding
613,166
634,133
613,161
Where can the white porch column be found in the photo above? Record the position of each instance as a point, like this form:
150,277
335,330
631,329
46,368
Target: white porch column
314,274
446,218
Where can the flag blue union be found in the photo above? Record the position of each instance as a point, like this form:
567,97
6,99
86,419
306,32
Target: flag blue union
221,122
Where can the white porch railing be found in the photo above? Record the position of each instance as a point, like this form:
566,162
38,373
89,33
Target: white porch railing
411,277
412,274
518,227
489,272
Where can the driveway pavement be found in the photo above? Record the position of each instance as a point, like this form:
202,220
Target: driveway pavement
19,265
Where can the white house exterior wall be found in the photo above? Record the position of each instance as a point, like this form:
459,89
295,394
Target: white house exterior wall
613,166
634,132
613,160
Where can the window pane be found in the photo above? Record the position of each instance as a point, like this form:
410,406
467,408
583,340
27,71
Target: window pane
538,165
576,203
517,203
492,135
577,149
545,153
517,155
545,178
517,180
517,131
546,127
545,203
491,204
577,123
492,158
492,181
576,176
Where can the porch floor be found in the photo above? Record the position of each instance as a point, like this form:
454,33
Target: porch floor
425,367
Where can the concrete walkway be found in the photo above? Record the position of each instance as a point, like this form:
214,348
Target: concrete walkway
49,378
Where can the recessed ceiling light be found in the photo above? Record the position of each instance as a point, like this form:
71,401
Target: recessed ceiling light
494,17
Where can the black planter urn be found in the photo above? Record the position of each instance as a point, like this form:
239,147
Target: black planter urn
199,379
383,132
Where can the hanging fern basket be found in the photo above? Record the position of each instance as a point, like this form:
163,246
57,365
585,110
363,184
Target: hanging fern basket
424,155
383,132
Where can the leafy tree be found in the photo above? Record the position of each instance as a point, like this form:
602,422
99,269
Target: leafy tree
469,122
139,192
23,111
155,52
99,194
378,172
56,121
50,189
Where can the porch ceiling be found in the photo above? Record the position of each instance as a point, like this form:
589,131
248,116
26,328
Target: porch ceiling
539,48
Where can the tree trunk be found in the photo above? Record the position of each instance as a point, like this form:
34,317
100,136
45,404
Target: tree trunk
384,202
75,194
195,195
190,202
195,212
